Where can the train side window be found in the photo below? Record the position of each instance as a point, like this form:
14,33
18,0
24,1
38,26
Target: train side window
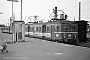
28,28
57,29
48,29
40,29
36,28
44,28
32,28
53,27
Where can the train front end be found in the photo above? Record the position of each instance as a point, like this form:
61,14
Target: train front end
70,33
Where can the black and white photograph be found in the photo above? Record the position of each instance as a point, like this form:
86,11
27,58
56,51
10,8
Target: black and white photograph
44,29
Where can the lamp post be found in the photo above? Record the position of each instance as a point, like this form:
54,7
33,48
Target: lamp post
12,7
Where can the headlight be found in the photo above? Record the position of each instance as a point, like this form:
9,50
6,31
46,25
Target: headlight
69,35
57,35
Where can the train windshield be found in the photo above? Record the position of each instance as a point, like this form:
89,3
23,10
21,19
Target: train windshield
66,28
72,29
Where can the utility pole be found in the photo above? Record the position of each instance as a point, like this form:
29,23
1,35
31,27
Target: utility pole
79,11
21,10
12,11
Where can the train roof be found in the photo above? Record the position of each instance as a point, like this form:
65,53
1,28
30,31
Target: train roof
82,22
35,24
52,22
61,22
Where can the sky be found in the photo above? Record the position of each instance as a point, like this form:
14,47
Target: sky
43,9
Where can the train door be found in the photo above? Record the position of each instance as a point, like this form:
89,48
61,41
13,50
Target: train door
28,30
16,37
52,31
43,28
43,31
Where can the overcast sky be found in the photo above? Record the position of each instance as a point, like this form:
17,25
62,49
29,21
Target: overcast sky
43,8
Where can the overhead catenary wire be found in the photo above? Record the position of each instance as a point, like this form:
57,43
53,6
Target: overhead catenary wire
77,11
75,6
